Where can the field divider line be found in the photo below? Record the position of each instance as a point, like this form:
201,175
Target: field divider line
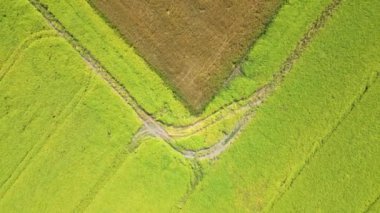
320,144
36,148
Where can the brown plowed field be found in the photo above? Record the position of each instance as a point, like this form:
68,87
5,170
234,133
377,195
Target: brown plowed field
193,44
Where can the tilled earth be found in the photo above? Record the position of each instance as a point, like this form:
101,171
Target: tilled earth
193,44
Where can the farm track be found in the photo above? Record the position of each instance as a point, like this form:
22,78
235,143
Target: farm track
288,184
167,132
36,148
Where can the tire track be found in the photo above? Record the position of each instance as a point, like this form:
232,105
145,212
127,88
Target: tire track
35,149
370,206
16,54
106,176
288,184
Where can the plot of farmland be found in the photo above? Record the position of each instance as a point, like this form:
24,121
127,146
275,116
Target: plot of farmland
194,45
86,125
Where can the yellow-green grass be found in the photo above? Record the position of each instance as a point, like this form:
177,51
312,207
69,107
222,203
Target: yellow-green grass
148,88
35,93
153,179
314,98
343,175
61,129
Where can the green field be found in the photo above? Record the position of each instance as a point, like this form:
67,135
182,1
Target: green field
87,125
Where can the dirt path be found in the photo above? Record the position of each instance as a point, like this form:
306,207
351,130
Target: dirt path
158,129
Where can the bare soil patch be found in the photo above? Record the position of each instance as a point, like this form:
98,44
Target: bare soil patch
193,44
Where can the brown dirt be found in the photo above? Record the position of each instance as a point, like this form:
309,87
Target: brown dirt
193,44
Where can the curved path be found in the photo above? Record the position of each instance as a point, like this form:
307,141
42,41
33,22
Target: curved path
158,129
14,57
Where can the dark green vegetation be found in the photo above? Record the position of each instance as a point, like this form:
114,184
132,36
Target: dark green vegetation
79,129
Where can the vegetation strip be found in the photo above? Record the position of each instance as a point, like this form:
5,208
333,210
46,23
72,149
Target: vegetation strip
197,178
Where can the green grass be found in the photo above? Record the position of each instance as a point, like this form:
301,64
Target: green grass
341,176
320,89
153,179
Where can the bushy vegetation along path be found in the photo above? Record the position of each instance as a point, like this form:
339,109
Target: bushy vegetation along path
159,129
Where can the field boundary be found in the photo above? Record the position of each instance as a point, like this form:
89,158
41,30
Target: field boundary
163,131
